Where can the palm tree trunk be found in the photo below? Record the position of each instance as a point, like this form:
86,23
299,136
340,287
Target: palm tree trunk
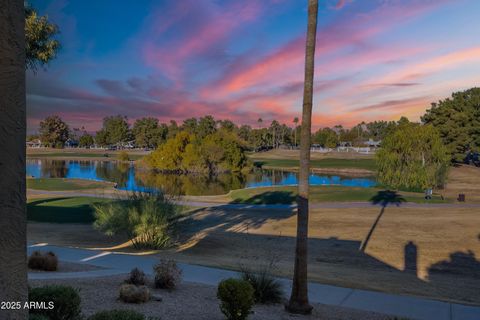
13,267
299,298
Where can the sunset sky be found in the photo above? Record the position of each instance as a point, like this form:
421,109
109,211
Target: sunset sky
241,60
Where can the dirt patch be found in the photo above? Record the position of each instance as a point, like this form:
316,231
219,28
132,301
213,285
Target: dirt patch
191,301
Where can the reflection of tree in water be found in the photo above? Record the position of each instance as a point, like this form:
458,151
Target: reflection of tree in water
115,172
54,168
276,176
85,166
186,184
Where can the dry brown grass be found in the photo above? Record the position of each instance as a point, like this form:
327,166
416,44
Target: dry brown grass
229,238
463,179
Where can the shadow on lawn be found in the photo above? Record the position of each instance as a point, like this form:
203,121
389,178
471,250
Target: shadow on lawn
269,197
41,211
383,198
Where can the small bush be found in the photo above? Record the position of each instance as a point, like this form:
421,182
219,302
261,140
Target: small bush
137,277
45,262
123,156
237,298
65,299
117,315
130,293
167,274
266,288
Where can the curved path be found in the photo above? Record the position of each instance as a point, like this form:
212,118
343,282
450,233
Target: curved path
227,205
402,306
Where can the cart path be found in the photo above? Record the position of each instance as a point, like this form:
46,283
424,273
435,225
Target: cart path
396,305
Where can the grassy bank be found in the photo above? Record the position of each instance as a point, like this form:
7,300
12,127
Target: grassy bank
62,210
103,155
364,164
64,184
287,195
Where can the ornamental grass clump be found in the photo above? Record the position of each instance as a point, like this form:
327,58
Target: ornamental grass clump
148,219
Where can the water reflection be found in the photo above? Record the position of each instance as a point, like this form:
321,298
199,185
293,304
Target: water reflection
128,177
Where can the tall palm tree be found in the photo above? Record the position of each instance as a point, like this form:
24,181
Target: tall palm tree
13,220
260,120
299,298
295,120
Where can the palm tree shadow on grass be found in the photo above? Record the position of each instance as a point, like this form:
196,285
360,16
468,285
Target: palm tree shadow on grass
383,198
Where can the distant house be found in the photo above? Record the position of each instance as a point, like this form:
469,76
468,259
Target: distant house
71,143
372,143
36,143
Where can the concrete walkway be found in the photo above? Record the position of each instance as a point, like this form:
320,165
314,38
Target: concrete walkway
402,306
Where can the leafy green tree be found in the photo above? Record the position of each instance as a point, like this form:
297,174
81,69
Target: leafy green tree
53,132
378,130
169,156
147,132
244,132
172,129
295,121
218,152
326,137
458,121
115,131
40,44
227,125
86,140
190,125
207,125
274,132
412,157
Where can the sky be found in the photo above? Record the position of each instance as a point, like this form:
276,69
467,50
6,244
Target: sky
244,59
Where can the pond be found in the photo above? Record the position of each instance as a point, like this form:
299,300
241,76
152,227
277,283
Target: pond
128,177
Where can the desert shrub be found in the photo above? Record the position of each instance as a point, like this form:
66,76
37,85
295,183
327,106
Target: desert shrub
117,315
43,261
134,294
148,219
266,288
136,277
167,274
65,299
237,298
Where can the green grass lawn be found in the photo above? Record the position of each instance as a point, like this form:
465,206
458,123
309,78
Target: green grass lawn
82,155
62,210
64,184
368,164
287,195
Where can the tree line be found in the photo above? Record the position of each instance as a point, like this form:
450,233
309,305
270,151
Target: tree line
148,132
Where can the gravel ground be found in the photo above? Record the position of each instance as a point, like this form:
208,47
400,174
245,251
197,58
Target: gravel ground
71,267
190,301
